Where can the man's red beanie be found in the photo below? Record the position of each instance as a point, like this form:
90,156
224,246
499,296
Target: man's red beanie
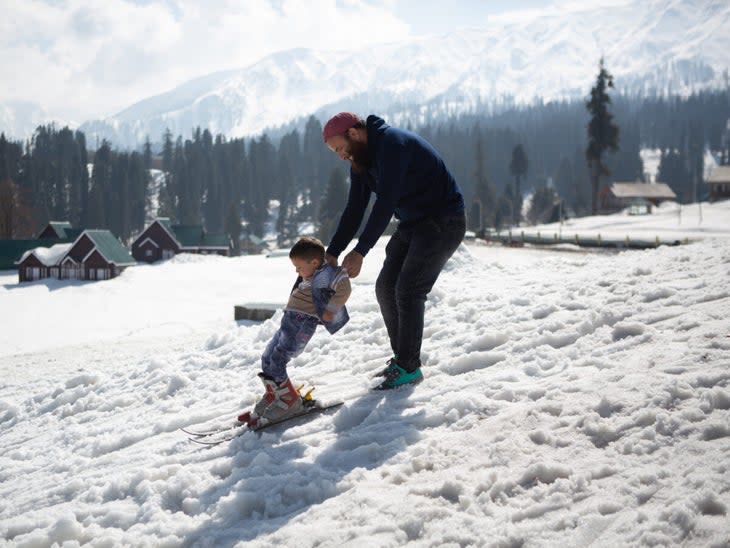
339,124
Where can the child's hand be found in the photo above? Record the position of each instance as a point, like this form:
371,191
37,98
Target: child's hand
327,316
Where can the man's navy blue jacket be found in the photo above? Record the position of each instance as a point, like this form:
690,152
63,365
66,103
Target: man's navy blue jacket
409,179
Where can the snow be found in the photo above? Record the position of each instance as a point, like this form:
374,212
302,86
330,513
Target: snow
669,222
651,158
48,256
571,397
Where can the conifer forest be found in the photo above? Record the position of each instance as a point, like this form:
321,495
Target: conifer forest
228,184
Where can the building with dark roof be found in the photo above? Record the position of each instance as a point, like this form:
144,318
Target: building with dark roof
59,230
93,255
162,240
55,232
637,196
41,262
719,183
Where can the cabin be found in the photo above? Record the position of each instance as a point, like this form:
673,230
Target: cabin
163,240
59,230
157,241
94,255
252,245
55,232
638,197
719,182
41,262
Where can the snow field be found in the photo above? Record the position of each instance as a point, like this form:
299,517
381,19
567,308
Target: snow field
570,398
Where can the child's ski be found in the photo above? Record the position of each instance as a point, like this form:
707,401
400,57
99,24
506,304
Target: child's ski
215,436
310,407
211,431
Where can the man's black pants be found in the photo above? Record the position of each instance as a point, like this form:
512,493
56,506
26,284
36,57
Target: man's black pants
414,258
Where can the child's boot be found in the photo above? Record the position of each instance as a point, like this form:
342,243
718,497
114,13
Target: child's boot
250,417
287,402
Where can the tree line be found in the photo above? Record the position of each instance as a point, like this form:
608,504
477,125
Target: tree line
480,150
55,178
229,185
225,185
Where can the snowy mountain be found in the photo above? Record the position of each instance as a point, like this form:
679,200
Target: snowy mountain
571,398
667,46
20,118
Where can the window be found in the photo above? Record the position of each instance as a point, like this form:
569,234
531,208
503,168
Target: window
148,253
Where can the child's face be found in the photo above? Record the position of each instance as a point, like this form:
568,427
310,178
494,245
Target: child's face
305,268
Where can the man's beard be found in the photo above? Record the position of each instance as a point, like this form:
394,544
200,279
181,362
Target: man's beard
359,154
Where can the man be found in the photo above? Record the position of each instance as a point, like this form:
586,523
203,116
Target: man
410,180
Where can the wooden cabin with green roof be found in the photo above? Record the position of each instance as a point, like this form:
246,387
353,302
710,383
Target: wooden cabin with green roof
55,232
94,255
59,230
162,240
41,262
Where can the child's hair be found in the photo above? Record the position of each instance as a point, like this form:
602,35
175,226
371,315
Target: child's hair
307,248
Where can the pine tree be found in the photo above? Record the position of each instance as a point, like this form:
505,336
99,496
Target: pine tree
167,199
504,211
674,171
626,164
178,183
15,215
261,163
287,203
9,202
165,207
313,166
82,174
147,153
695,148
233,227
333,203
41,173
484,192
518,167
101,180
603,134
211,184
543,205
139,180
581,174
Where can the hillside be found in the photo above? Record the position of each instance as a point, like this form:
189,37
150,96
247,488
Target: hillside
571,398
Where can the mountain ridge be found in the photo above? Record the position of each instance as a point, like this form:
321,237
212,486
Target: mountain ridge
660,46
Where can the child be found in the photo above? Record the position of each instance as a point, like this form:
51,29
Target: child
318,296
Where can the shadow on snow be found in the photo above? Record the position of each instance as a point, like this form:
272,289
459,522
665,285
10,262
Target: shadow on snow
268,485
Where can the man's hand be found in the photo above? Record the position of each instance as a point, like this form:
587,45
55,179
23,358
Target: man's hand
331,259
328,316
352,263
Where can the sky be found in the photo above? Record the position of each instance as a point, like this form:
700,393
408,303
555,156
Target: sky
82,59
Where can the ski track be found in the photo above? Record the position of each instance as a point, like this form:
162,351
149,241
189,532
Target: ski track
577,399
